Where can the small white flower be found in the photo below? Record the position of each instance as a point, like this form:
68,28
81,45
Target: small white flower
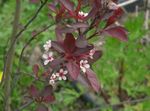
47,45
51,82
113,6
53,76
84,65
62,74
83,14
92,52
48,57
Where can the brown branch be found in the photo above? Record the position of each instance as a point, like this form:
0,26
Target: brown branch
9,60
25,105
10,53
121,103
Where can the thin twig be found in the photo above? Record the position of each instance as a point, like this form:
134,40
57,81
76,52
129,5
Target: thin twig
25,27
25,105
121,103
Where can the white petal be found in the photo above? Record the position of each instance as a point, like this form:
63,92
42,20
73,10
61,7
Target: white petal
87,66
60,78
51,82
65,72
57,74
50,54
64,78
46,62
45,56
83,69
61,70
85,61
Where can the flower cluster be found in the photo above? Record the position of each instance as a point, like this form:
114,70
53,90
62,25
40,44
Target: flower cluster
60,75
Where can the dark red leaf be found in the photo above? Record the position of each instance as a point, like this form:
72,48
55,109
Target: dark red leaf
49,99
47,94
42,108
97,55
57,46
67,4
35,69
33,91
80,51
117,32
52,7
73,69
47,91
69,43
81,42
112,19
56,62
91,76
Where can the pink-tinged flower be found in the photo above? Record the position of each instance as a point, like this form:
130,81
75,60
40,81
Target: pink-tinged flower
92,52
52,79
48,57
62,74
47,45
82,14
84,65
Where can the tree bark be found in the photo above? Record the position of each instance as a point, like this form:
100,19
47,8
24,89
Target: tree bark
9,59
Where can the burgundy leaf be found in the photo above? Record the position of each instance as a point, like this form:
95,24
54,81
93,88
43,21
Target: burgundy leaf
35,69
49,99
69,43
56,62
80,51
81,42
47,94
73,69
97,55
67,4
91,76
33,91
52,7
42,108
117,32
47,91
57,46
117,13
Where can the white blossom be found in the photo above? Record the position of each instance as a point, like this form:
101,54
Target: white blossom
51,82
84,65
47,45
83,14
62,74
52,79
92,52
48,57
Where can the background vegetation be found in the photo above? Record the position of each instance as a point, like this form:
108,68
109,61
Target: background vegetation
123,70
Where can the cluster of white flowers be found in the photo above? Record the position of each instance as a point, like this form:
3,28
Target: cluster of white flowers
47,56
83,14
84,65
92,52
60,75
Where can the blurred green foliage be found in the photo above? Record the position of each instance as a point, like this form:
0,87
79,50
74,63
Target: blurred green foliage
135,56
